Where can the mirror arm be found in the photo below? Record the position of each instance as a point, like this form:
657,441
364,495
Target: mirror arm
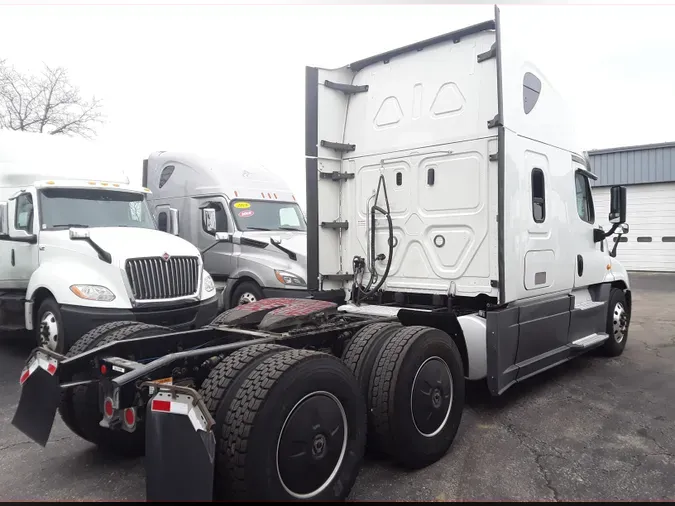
290,253
616,244
605,235
208,248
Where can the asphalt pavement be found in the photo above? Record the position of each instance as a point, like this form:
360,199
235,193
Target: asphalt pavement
591,429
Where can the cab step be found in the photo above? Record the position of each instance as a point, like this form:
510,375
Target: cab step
588,341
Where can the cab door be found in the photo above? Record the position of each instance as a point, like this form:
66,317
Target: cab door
219,260
21,257
592,258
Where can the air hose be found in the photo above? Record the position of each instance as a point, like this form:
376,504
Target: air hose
368,291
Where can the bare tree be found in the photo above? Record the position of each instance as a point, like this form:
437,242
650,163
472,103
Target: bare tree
47,103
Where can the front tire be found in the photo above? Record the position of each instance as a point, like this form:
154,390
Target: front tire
49,326
618,319
417,396
296,430
245,293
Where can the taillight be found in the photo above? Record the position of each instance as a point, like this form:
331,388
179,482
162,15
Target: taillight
104,369
130,417
108,407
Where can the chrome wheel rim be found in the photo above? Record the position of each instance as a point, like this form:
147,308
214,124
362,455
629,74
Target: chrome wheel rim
247,298
619,322
431,396
49,331
312,445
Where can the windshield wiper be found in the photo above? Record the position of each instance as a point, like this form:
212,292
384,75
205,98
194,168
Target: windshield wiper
68,225
259,228
284,227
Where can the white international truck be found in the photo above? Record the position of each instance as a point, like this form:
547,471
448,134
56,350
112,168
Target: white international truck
266,257
450,215
79,246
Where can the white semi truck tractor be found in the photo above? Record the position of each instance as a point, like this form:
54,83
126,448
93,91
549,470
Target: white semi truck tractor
79,246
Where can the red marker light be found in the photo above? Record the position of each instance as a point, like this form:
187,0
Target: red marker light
130,417
108,407
159,405
104,369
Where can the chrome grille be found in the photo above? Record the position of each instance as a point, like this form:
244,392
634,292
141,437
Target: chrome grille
156,278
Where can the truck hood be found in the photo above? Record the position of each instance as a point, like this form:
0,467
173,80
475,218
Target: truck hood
122,243
292,240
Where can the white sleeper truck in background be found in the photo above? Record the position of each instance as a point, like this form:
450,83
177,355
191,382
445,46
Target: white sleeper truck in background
444,177
79,246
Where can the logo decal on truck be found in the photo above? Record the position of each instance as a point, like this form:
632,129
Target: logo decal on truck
246,214
166,257
242,205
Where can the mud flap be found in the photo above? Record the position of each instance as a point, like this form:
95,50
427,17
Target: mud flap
180,447
40,397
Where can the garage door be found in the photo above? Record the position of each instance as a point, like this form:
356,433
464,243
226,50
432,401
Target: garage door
650,210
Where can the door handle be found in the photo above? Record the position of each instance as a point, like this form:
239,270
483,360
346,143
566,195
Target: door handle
13,262
580,265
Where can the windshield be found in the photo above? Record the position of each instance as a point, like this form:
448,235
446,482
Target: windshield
267,215
72,207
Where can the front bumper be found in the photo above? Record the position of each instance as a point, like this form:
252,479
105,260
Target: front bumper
78,320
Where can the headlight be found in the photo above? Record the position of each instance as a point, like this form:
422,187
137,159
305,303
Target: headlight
93,292
287,278
208,282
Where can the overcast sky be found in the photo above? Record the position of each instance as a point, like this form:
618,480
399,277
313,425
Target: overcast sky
231,78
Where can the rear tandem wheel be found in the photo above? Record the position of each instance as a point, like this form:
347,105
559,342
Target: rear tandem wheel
219,389
416,395
295,430
79,407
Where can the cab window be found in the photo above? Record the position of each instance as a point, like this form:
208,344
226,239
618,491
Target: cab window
584,198
23,219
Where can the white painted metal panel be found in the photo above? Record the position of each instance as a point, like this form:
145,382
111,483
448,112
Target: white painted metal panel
423,111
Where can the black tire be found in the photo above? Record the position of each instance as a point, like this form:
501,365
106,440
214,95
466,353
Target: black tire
295,382
243,288
219,390
84,343
50,309
360,354
81,404
397,388
618,320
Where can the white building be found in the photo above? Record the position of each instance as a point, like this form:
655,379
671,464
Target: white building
648,172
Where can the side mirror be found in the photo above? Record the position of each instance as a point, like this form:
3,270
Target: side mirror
4,219
223,236
209,219
617,206
173,221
